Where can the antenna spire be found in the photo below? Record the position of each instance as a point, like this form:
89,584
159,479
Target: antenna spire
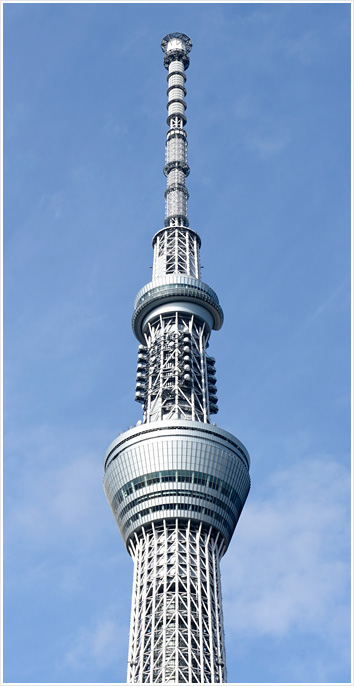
176,48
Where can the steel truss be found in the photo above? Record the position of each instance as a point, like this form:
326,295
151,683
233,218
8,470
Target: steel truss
177,376
176,251
176,630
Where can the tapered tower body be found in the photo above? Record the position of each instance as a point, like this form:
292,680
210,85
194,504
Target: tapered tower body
176,483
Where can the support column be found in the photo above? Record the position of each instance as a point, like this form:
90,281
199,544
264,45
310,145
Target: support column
172,560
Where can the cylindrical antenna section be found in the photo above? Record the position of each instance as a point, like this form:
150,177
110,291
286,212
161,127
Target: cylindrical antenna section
176,48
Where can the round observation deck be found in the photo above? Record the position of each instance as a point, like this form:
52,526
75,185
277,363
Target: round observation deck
172,292
176,469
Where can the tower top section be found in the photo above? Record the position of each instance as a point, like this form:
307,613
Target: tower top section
176,46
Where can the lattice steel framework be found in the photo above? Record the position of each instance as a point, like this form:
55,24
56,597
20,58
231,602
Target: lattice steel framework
176,483
176,252
177,374
176,624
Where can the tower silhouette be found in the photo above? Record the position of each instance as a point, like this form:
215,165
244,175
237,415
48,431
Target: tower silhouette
176,483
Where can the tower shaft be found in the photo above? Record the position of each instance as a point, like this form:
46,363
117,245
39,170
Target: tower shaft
176,633
176,483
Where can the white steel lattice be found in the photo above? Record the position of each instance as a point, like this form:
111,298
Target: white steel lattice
176,632
176,251
176,374
176,149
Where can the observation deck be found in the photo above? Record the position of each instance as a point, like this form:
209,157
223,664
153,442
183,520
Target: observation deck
176,293
177,469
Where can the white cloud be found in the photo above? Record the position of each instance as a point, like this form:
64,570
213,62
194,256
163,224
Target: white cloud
61,499
303,47
102,644
75,490
58,486
17,116
269,144
71,579
288,567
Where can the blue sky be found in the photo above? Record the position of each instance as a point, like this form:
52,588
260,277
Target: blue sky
269,150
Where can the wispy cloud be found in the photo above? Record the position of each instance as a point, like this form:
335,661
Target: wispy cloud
289,566
268,145
303,47
17,116
338,299
101,644
58,493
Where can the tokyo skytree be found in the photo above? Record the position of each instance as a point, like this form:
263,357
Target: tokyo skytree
176,483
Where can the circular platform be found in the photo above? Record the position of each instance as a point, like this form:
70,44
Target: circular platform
176,469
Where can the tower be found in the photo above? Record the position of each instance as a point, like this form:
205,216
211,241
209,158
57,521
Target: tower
176,483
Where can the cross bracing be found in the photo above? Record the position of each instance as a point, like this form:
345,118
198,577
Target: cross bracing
175,377
176,633
176,251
